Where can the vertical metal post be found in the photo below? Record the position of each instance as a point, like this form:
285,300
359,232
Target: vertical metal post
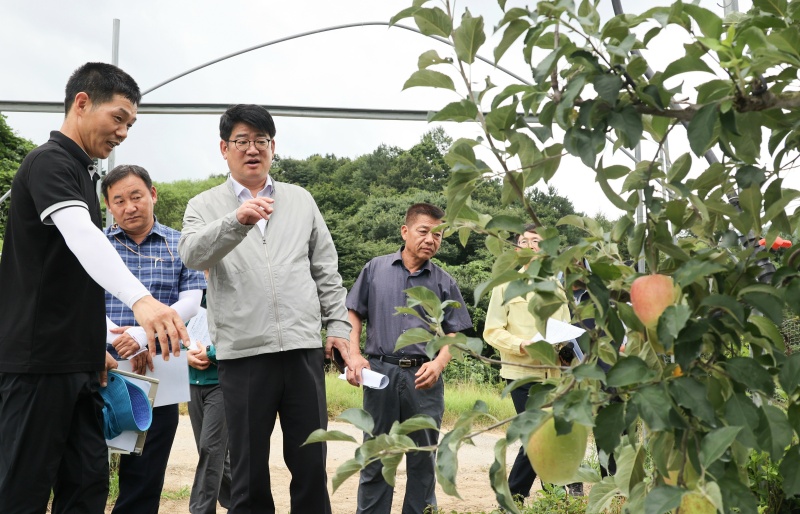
730,6
640,266
111,157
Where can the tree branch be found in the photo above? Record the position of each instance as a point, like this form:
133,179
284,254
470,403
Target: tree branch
765,102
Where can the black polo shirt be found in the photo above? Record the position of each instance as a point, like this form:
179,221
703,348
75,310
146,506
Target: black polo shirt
52,314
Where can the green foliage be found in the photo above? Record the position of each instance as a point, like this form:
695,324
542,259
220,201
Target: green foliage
702,383
113,478
174,196
12,150
549,500
766,483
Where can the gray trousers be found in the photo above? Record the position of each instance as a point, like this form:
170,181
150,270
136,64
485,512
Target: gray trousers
398,402
212,480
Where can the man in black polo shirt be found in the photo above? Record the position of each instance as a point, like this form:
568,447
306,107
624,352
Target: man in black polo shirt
415,382
55,264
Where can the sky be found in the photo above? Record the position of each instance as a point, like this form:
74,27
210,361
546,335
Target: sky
363,67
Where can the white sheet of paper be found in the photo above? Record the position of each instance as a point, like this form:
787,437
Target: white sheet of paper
559,332
127,440
172,375
369,378
198,329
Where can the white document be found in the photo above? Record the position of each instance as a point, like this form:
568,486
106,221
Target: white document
124,443
559,332
369,378
198,329
172,375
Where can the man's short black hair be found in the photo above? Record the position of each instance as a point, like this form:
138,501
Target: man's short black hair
423,209
122,171
256,116
101,81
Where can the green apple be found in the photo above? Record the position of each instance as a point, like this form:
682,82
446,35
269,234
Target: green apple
556,458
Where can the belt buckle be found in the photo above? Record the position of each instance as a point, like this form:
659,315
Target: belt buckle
405,362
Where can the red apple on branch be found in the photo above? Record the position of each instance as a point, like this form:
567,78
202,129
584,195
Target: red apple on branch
650,295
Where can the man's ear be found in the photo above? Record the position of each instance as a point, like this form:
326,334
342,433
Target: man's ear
82,103
404,231
223,149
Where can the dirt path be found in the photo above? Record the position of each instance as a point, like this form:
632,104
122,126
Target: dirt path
473,481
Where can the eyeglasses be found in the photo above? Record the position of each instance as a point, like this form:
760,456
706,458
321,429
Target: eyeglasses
244,144
529,242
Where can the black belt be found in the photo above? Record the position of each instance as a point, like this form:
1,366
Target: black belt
403,362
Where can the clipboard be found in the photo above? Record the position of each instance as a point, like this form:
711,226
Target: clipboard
132,441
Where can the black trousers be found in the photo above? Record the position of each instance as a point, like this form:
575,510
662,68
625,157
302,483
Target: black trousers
141,477
51,437
522,475
255,391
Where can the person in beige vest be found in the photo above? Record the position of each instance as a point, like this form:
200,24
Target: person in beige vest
510,327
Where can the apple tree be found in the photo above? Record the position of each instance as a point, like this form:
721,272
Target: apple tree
690,396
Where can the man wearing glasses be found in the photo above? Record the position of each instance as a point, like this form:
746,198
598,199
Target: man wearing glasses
273,284
150,250
510,327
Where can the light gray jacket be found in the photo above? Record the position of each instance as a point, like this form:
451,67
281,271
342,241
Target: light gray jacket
267,293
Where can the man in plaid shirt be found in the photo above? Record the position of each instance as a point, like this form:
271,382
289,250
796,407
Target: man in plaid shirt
150,250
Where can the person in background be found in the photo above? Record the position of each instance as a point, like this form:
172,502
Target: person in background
416,385
273,285
510,327
149,250
212,478
56,263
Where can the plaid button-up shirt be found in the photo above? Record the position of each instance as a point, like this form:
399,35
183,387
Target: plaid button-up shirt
157,265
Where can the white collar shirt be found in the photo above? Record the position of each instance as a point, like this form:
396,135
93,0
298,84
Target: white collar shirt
243,194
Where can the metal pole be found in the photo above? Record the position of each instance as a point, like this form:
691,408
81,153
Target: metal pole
730,6
640,208
111,157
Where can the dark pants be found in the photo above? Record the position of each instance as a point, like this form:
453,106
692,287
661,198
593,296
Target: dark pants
212,479
398,402
51,437
141,478
522,475
256,390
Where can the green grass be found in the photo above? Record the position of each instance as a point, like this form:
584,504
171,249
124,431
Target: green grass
458,398
181,494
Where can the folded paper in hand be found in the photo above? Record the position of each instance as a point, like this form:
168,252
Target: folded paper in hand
559,332
369,378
